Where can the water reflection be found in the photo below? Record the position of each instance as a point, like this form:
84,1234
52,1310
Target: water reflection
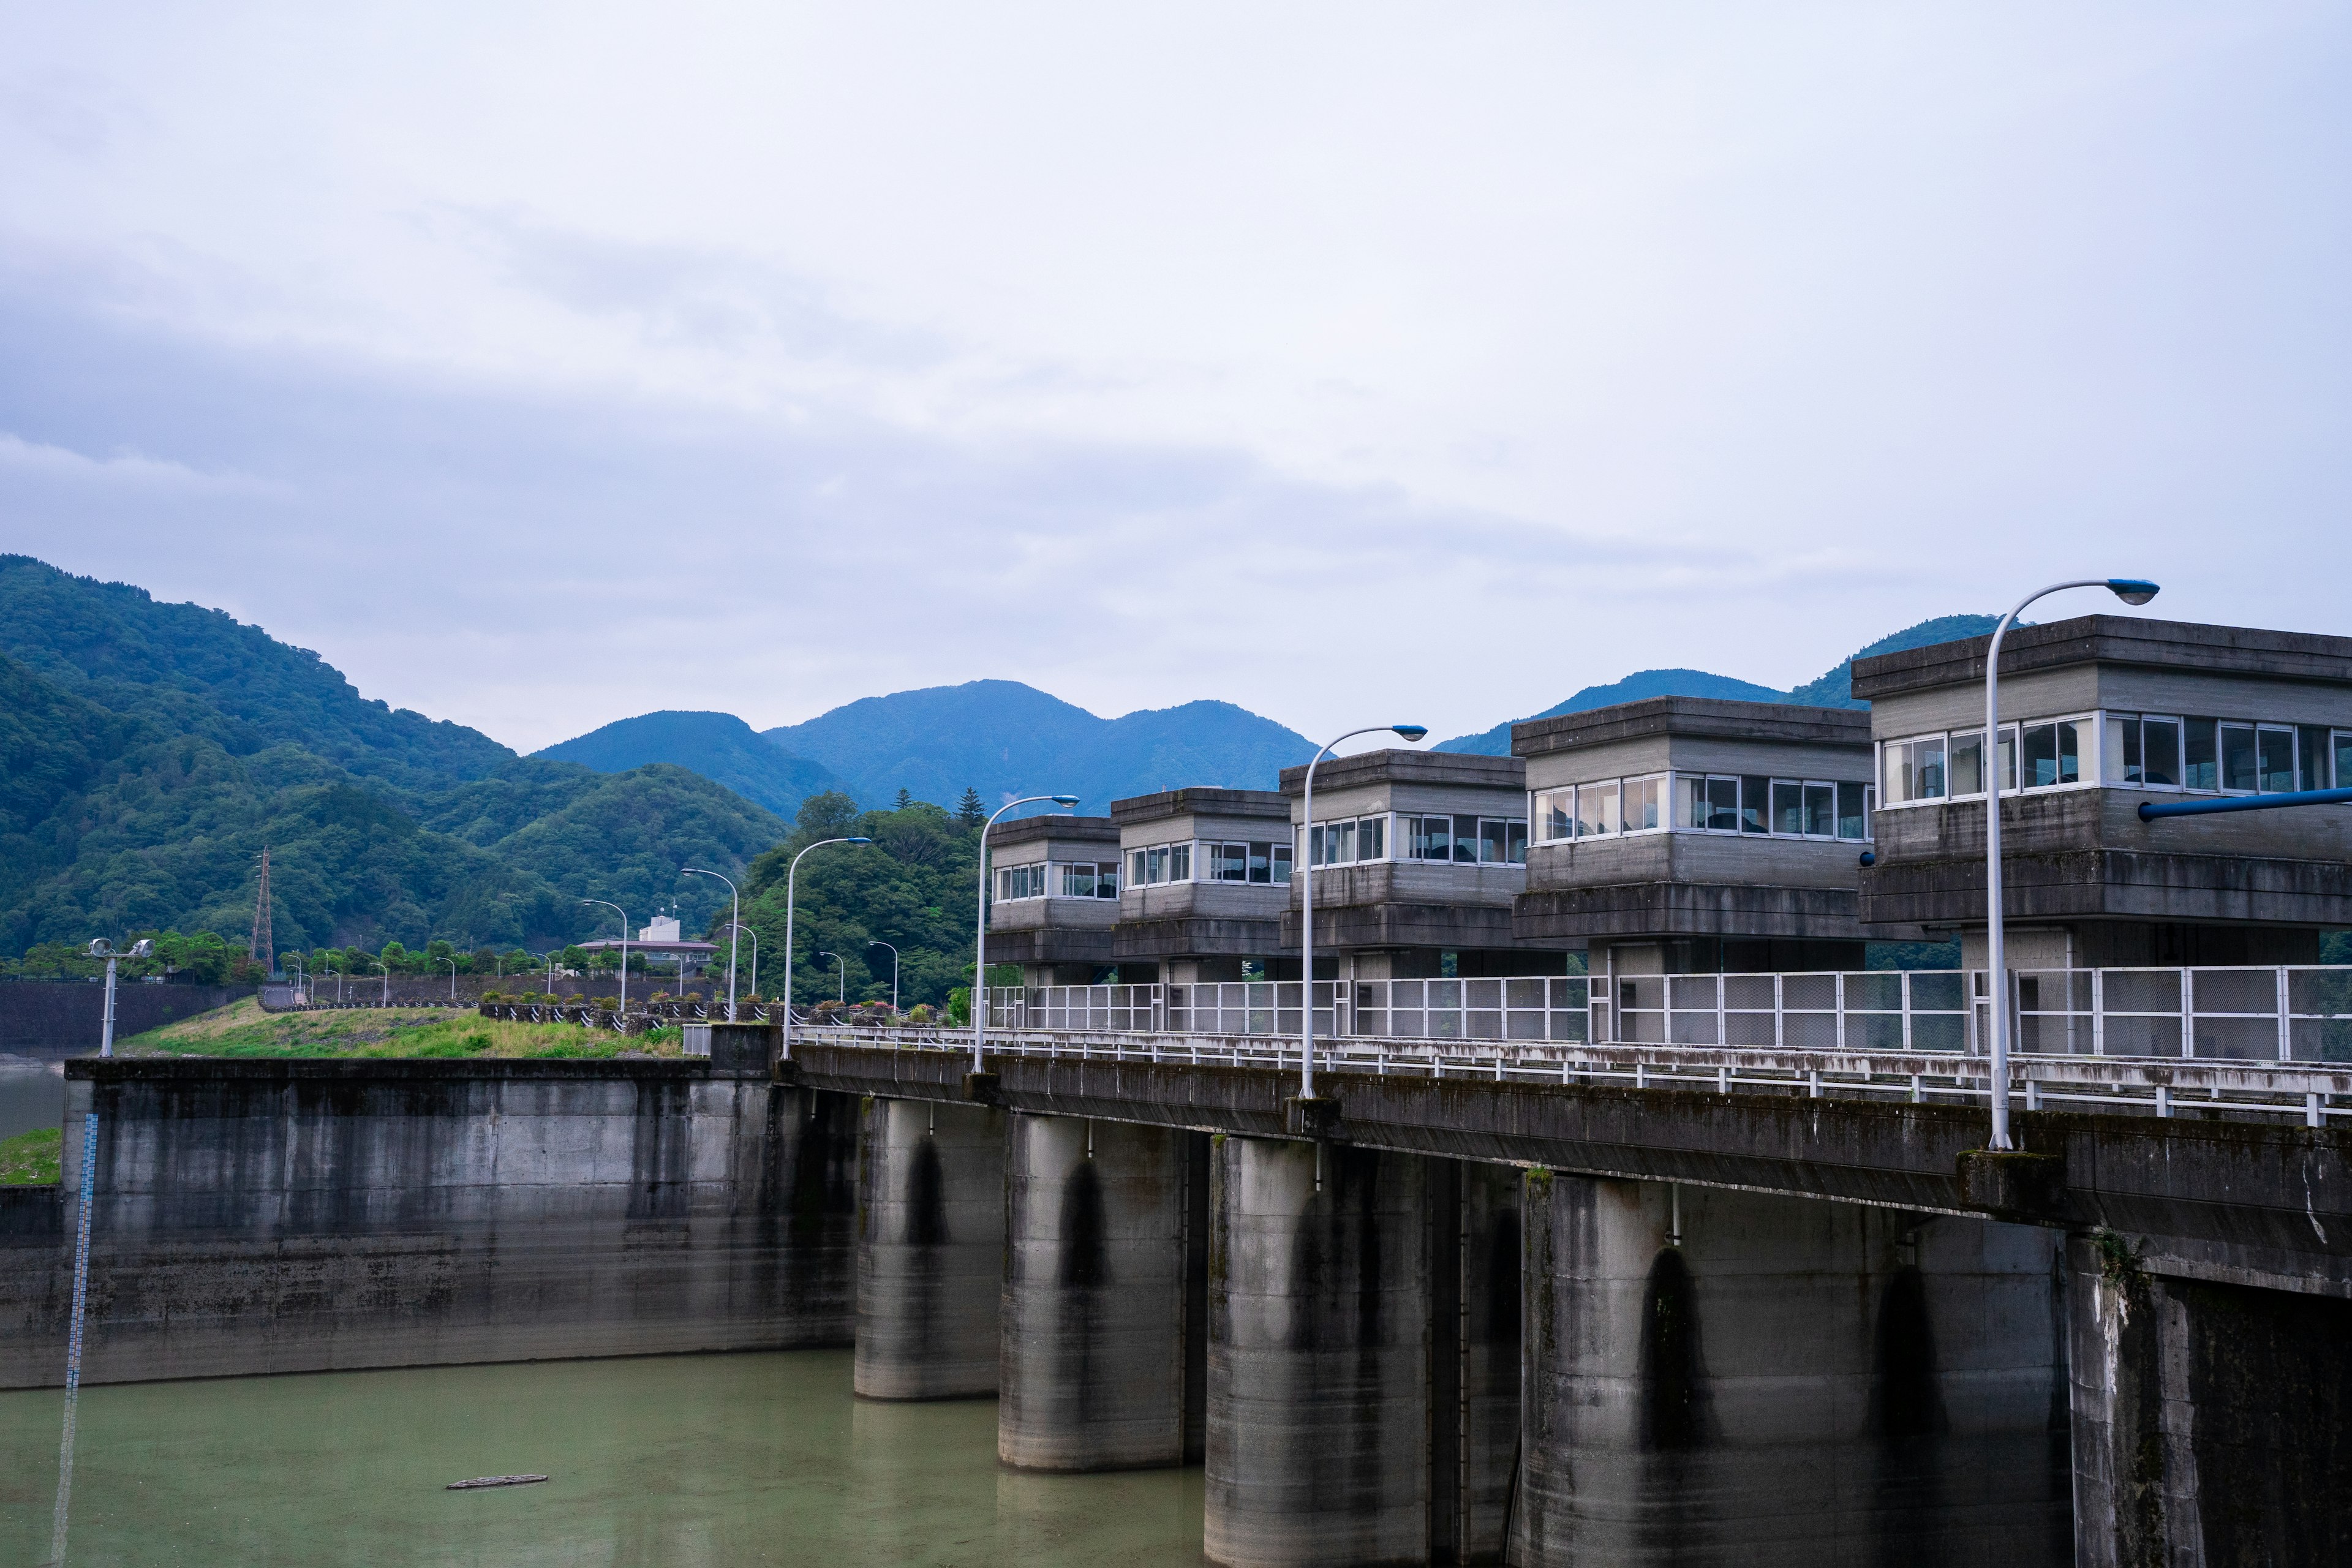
31,1094
682,1460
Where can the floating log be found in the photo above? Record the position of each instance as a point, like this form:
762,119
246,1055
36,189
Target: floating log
493,1482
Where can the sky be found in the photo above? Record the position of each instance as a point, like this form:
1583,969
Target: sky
539,366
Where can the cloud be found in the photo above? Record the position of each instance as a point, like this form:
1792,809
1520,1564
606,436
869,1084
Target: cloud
541,367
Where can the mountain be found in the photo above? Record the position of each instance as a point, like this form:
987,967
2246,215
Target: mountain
149,752
1833,689
1007,740
1496,742
720,746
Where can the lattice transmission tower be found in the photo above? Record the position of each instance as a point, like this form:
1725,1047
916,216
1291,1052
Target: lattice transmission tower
264,947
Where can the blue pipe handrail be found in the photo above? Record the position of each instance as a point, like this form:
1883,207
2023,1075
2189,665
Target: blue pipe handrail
2149,810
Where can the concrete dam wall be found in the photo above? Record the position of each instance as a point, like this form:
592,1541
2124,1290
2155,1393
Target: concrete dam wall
265,1216
65,1018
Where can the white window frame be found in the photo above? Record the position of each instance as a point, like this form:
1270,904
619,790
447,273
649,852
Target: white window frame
2099,754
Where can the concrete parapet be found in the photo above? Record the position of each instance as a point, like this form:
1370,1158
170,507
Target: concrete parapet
1318,1395
1101,1234
269,1216
1795,1382
930,1246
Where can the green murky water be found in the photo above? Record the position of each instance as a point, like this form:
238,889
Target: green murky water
672,1461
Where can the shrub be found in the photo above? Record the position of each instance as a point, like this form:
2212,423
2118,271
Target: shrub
922,1014
613,1004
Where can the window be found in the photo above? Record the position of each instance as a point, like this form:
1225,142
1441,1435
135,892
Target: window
1086,879
1964,768
1914,769
1021,882
2238,757
2274,759
1344,842
1598,808
2312,758
1555,815
1853,810
1788,808
1161,863
2199,741
1784,808
2144,749
1468,840
1224,862
1644,804
2053,754
2343,759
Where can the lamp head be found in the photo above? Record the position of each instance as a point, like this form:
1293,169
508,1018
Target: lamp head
1066,800
143,948
1410,732
100,948
857,841
2132,590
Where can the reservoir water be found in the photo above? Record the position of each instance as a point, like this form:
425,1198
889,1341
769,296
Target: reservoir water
665,1462
31,1094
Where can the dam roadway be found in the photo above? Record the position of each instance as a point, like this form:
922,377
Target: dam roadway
1602,1304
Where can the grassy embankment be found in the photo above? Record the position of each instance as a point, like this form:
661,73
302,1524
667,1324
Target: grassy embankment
243,1029
31,1157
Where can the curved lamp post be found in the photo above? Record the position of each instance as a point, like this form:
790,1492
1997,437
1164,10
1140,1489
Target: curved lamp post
1306,906
734,919
979,927
624,951
387,984
747,930
2131,590
840,974
894,974
453,980
792,881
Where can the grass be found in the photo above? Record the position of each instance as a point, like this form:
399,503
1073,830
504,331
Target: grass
32,1158
244,1029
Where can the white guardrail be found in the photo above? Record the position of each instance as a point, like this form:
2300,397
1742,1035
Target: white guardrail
2260,1042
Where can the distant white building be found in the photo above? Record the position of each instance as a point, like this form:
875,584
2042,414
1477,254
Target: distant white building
663,928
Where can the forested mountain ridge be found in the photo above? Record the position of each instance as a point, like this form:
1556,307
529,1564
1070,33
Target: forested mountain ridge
1006,738
1833,689
149,752
720,746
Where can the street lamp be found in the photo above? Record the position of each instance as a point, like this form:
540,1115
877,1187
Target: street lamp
979,927
624,951
387,984
791,891
102,947
732,919
1307,907
894,974
453,980
2131,590
300,988
754,935
841,968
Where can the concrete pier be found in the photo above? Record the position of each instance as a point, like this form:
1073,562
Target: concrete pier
2209,1417
1796,1382
1318,1364
930,1246
1105,1288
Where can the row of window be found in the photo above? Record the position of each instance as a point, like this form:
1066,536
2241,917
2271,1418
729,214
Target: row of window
1461,839
1706,803
2140,750
1059,880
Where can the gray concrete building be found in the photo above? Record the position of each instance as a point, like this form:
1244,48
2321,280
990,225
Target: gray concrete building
1418,857
1207,879
1054,897
2099,714
1687,835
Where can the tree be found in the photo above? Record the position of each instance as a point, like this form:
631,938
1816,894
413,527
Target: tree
903,802
828,813
970,810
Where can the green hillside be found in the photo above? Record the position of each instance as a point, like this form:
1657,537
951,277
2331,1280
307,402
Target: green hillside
149,752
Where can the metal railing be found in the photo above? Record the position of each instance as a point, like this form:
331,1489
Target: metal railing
2230,1088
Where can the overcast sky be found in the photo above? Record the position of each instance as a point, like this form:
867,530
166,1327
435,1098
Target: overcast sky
540,366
